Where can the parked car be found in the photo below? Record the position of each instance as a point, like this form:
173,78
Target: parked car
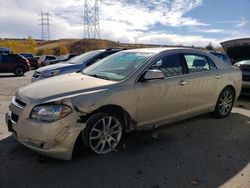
14,63
75,64
37,57
245,68
45,60
62,58
32,60
239,51
5,51
222,56
130,90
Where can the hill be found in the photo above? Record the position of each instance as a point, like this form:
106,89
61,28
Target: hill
64,46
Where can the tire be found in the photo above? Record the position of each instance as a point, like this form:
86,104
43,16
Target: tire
224,103
103,133
19,71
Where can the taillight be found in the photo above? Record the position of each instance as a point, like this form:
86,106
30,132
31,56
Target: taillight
26,61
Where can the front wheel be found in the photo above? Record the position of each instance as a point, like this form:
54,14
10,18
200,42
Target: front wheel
225,103
19,71
103,133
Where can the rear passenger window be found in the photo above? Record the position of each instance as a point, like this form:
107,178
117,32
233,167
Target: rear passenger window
211,63
51,57
170,65
197,63
9,58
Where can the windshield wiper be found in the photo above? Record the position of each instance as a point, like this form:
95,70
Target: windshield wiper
99,76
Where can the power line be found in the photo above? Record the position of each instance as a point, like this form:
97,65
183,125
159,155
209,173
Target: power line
45,25
91,19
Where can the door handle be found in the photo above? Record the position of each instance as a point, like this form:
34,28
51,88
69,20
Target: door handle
218,76
182,83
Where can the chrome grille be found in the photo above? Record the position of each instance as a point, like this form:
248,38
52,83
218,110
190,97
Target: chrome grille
21,103
16,102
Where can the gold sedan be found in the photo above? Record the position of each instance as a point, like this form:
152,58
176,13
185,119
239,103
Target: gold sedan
130,90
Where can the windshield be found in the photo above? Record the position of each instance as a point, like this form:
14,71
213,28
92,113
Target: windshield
118,66
84,57
27,55
221,56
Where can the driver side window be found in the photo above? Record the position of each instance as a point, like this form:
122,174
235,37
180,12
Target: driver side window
170,65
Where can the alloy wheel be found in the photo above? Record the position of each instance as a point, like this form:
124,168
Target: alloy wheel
225,102
105,135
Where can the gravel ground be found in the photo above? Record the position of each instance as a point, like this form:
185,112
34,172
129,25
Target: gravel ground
201,152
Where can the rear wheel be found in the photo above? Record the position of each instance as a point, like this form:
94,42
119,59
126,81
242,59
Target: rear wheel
103,133
225,103
19,71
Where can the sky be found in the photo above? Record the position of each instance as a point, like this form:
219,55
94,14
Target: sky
164,22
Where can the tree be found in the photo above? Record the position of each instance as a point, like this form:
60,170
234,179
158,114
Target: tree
48,51
40,52
31,45
210,46
19,46
64,50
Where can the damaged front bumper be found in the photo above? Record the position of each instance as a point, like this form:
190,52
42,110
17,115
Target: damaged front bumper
55,139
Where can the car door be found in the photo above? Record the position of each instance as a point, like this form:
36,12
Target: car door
47,60
160,100
202,78
2,69
9,63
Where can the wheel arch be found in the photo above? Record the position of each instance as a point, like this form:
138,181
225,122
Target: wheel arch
113,109
18,66
231,87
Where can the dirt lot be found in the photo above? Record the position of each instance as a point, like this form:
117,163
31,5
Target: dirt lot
201,152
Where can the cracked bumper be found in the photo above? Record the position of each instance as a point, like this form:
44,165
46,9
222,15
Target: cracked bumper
55,139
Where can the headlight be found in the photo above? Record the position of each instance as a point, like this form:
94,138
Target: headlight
50,113
51,73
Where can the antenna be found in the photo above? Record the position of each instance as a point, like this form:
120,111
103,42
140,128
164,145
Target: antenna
91,19
45,25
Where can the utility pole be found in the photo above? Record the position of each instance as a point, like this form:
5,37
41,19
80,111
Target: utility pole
45,25
91,19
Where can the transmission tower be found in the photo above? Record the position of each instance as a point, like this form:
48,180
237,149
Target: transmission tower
45,25
91,19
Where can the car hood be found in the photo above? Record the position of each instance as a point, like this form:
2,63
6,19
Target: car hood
63,86
55,67
237,49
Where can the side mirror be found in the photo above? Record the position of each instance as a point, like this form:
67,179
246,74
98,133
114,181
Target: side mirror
154,74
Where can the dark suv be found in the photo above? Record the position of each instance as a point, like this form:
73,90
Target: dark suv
32,60
14,63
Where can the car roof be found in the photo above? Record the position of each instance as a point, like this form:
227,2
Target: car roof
213,52
4,48
158,50
109,50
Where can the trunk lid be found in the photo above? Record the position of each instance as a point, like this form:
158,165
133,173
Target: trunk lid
237,49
